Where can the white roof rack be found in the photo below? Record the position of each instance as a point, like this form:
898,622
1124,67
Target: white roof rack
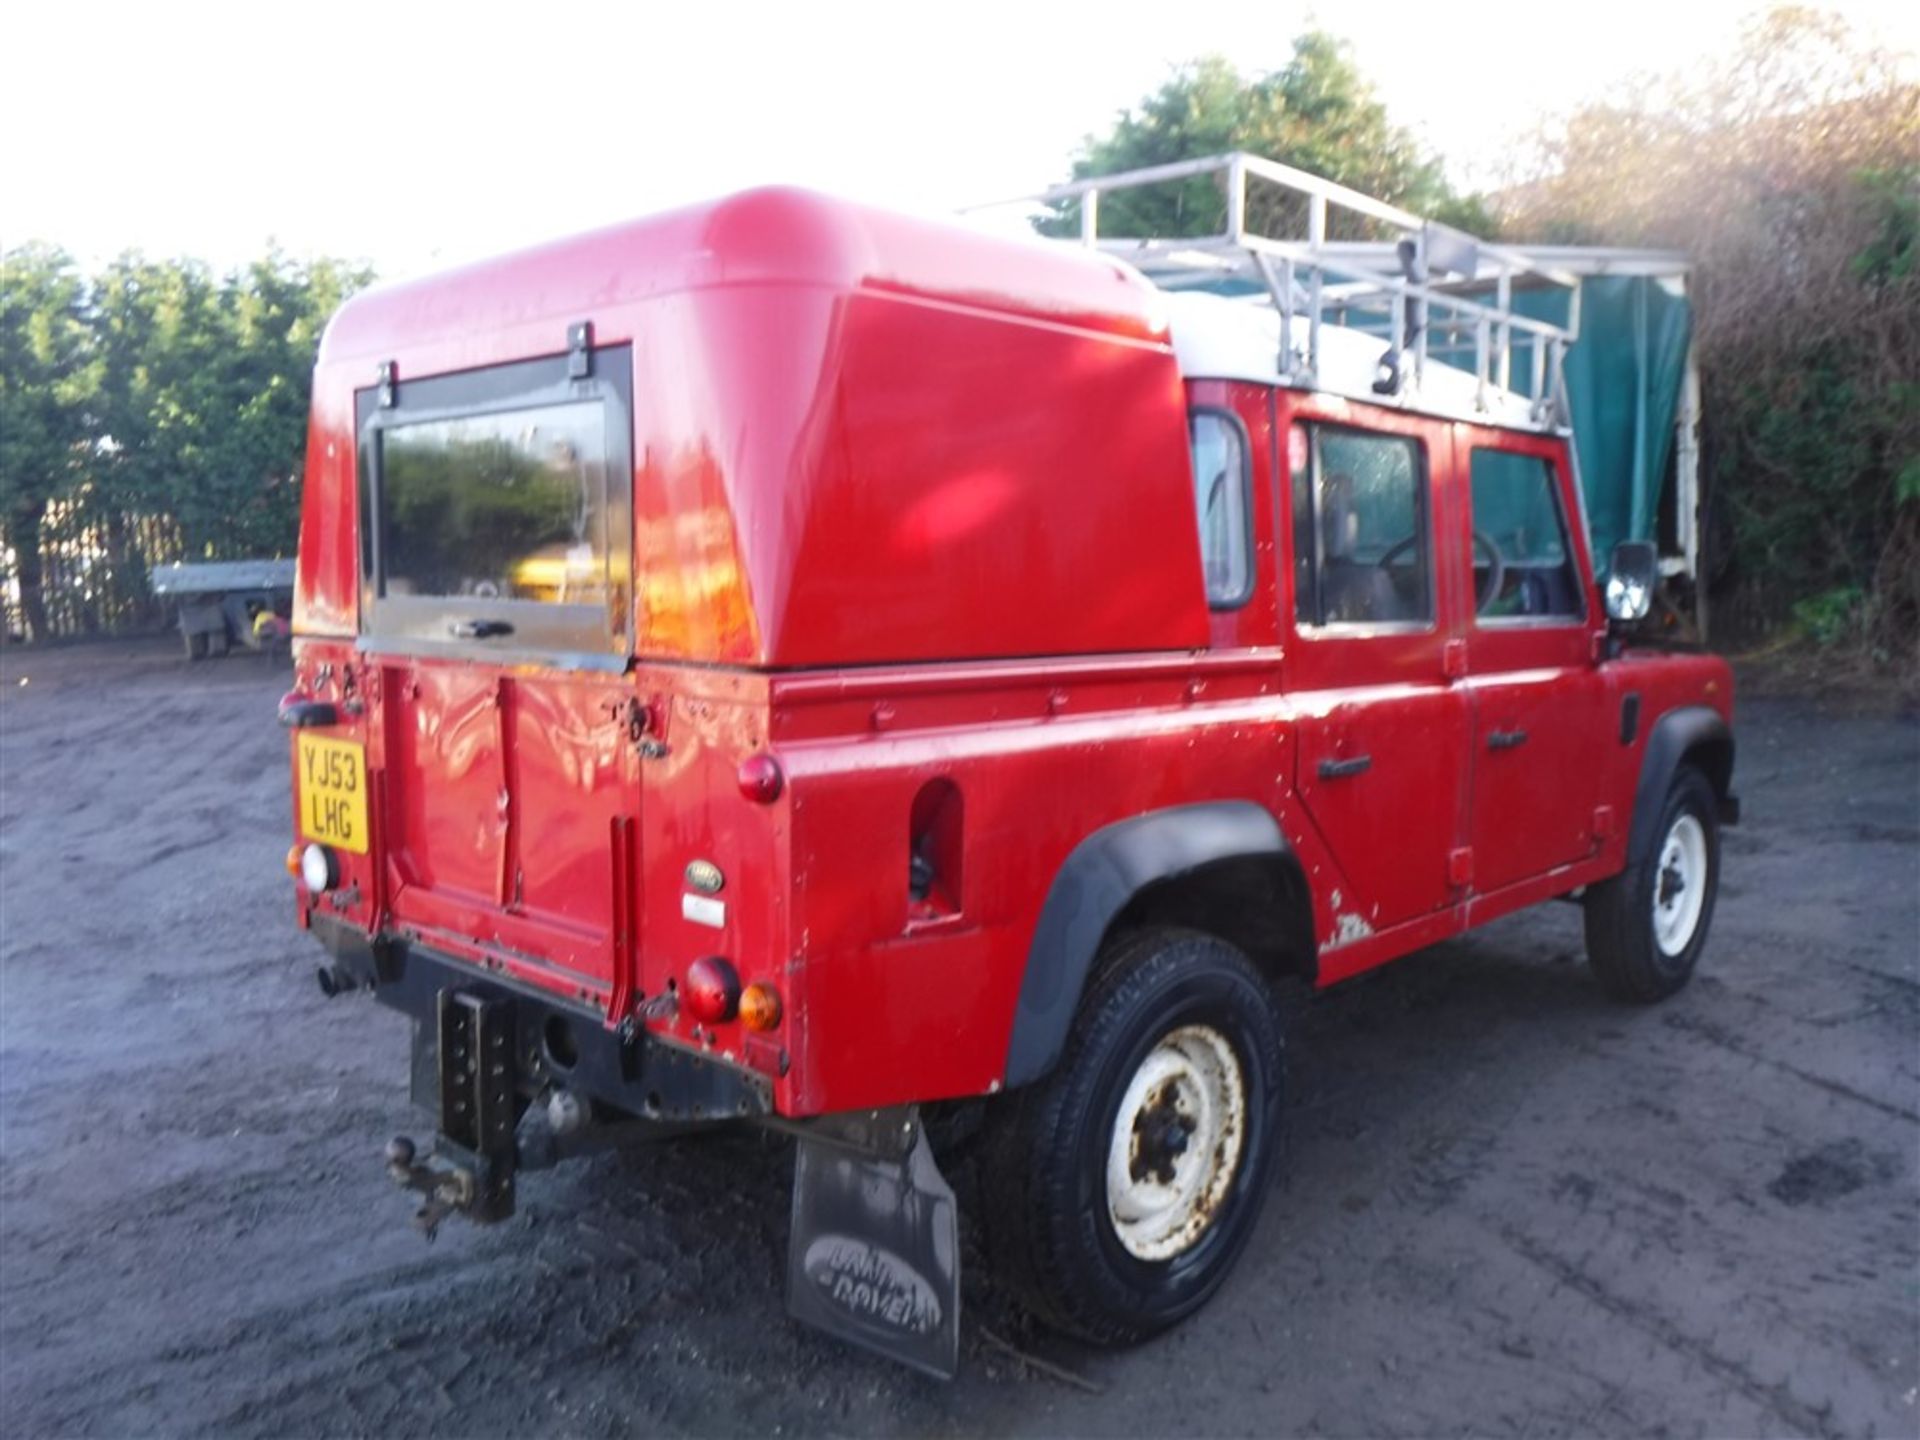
1437,302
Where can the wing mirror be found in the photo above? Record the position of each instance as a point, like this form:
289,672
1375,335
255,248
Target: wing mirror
1631,580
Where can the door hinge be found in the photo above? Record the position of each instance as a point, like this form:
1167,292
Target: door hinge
642,723
580,350
1460,867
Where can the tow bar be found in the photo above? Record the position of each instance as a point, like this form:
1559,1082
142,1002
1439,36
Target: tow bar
479,1112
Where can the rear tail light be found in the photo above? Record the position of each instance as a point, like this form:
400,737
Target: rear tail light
760,1006
711,993
761,779
319,869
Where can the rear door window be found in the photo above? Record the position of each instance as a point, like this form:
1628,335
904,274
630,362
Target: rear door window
497,508
1361,549
1522,563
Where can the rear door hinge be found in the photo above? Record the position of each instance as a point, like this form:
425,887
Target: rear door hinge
642,723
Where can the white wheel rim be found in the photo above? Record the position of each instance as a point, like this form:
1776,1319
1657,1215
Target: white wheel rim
1680,885
1176,1143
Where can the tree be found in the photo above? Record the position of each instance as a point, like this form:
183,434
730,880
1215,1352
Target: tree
249,502
1317,113
206,387
48,381
1789,174
161,337
157,389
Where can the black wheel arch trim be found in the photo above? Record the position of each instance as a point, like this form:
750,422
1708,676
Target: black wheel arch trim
1673,737
1104,874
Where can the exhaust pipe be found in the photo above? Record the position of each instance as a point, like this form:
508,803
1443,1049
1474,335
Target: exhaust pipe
335,981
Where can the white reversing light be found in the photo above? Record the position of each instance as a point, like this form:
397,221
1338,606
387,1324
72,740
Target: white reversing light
318,869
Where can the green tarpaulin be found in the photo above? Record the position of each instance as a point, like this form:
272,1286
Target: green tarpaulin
1623,379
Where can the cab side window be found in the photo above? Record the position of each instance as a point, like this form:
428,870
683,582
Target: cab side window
1522,564
1221,490
1359,529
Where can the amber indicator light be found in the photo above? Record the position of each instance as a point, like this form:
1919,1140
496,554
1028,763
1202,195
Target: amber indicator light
760,1006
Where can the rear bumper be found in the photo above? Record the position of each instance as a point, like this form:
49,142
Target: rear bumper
555,1045
874,1255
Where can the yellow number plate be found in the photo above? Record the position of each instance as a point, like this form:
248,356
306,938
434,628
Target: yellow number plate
333,792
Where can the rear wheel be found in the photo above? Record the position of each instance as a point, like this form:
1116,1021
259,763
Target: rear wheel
1122,1187
1647,926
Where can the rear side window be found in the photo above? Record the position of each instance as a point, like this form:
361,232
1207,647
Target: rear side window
1522,564
1221,489
1361,551
496,508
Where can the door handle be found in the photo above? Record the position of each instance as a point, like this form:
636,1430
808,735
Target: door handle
1506,739
478,629
1340,769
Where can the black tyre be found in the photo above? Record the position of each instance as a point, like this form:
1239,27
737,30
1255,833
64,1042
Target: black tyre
1121,1188
1647,925
196,645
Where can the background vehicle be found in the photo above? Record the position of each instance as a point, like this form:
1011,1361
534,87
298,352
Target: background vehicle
223,603
689,728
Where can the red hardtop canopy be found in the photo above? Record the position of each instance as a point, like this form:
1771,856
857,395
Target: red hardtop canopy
858,436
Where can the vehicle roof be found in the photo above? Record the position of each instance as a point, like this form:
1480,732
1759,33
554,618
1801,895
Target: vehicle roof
1217,337
775,235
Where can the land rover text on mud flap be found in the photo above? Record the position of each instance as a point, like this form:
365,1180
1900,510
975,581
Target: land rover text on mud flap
784,662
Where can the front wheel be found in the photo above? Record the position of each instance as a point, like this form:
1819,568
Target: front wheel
1647,925
1122,1187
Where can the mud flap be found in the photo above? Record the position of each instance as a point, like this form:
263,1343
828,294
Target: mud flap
874,1257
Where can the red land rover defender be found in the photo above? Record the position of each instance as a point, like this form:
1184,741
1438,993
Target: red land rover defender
781,661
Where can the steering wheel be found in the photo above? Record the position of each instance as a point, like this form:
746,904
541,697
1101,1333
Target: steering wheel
1486,589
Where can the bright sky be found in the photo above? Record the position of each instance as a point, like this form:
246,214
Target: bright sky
419,134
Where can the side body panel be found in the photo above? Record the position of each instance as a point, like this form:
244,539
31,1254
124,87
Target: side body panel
910,1005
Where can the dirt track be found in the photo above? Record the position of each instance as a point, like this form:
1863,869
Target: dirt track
1511,1207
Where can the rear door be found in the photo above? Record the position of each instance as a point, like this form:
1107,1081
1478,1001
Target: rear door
1537,706
1382,733
496,522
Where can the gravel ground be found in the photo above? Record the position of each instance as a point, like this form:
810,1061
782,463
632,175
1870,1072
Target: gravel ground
1510,1208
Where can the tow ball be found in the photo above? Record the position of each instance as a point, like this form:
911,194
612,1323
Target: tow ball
446,1190
555,1131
